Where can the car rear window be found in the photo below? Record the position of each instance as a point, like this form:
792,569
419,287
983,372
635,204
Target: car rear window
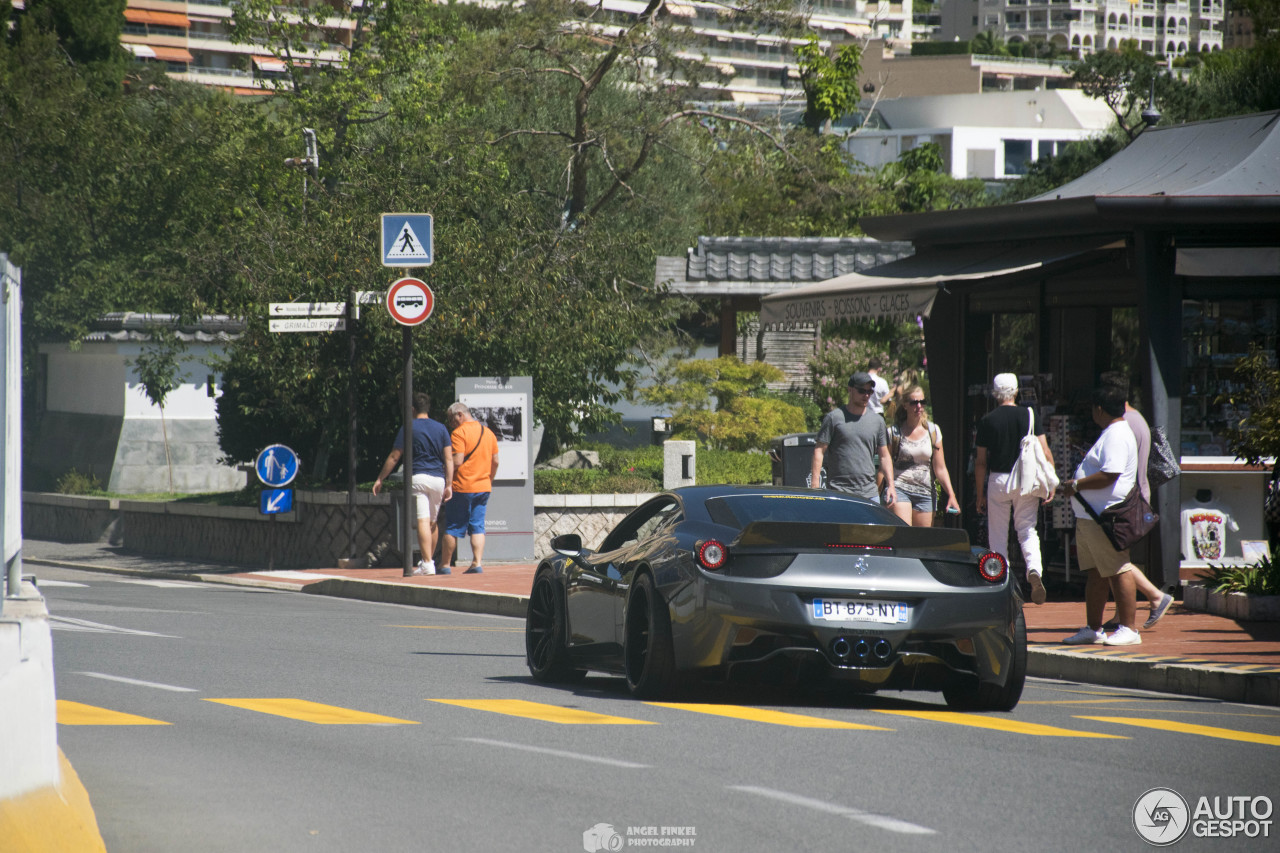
741,510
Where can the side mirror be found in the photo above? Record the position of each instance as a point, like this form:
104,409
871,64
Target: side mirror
567,545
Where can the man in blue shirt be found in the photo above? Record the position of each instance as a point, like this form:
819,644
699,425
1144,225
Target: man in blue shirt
432,475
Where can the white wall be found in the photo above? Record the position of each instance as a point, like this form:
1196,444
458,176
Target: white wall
95,380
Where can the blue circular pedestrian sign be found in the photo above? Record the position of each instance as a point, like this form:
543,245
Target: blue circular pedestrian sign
277,465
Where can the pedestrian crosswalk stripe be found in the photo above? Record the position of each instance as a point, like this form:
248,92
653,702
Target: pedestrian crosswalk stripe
1191,729
78,714
546,713
762,715
998,724
313,712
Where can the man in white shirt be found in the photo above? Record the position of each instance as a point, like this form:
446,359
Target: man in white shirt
1104,478
881,394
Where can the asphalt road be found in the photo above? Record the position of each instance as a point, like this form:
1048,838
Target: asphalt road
213,718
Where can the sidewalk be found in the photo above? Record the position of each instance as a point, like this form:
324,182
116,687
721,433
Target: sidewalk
1187,653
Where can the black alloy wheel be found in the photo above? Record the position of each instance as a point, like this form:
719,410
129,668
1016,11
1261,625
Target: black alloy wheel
648,651
544,624
996,697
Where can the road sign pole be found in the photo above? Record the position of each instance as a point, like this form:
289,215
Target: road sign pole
406,352
352,308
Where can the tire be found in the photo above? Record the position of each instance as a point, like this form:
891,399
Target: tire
545,651
996,697
648,651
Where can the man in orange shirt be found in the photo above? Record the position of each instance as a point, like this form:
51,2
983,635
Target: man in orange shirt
475,464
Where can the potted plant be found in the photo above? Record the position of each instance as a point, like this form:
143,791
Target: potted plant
1244,593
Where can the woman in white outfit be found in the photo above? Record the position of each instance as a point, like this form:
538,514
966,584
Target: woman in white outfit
999,440
916,445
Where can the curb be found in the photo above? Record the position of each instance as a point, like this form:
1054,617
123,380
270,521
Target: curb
1180,679
464,600
54,819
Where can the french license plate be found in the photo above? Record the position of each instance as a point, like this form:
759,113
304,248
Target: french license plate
844,610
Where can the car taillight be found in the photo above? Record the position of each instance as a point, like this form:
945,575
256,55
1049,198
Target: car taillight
992,567
712,555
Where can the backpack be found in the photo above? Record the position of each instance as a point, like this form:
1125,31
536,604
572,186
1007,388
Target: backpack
1032,474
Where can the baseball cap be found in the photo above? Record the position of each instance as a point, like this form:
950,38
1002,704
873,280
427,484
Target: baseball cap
1005,382
861,379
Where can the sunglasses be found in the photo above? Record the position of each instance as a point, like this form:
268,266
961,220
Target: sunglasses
916,402
863,390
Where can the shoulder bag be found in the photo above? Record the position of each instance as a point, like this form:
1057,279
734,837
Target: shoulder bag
1162,465
1032,474
1127,522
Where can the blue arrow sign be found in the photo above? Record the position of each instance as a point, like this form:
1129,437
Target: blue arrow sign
407,240
276,500
276,466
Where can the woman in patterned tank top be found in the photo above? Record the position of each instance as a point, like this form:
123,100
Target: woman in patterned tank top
918,461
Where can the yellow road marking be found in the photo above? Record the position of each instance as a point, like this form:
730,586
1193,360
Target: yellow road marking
1080,701
760,715
312,712
77,714
1191,729
1000,725
546,713
457,628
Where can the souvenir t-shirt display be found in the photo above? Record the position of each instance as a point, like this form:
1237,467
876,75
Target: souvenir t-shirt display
1204,529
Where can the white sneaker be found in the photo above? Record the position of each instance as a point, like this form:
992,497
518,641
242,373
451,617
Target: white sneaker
1038,594
425,568
1124,636
1086,637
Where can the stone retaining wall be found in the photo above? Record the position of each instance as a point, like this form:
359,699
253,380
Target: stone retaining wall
313,536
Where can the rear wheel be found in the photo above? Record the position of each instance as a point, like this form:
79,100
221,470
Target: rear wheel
544,647
995,697
648,649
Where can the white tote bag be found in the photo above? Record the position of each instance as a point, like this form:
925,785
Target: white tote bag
1032,474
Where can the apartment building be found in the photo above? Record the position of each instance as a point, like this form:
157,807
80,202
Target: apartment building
1165,28
192,39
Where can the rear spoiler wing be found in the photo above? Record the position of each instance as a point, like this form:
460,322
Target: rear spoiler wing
789,534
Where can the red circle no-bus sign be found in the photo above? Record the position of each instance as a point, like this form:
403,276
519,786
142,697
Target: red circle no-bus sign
410,301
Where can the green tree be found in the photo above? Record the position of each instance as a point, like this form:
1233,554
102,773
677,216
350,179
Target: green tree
554,161
1121,79
87,30
1257,437
725,403
830,83
158,368
918,181
988,44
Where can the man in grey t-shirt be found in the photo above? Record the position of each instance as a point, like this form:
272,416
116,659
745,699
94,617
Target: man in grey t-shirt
849,441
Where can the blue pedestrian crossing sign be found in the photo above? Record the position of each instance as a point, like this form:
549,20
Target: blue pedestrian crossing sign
276,466
407,240
275,501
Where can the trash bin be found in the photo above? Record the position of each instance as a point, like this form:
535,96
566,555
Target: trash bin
792,458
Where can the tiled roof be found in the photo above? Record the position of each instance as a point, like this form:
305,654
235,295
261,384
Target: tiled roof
740,266
132,326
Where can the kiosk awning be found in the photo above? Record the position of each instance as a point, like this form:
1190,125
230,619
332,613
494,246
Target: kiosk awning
902,289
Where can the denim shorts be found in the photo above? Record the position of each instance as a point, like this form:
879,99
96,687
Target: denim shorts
919,503
464,513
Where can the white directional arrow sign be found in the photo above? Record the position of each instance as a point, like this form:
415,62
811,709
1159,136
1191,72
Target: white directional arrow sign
273,502
307,309
308,324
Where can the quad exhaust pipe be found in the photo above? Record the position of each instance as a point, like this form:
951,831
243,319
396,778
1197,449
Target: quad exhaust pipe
862,650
